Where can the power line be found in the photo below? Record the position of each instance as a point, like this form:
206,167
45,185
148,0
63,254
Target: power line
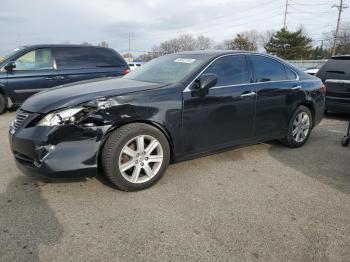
312,4
214,23
309,12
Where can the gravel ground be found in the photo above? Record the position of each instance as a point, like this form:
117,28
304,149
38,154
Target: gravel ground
259,203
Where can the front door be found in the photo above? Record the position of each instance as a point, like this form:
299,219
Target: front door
225,116
34,72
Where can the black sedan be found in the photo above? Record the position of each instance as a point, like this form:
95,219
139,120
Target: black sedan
175,107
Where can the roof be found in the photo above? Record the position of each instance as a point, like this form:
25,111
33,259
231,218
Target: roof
216,52
57,45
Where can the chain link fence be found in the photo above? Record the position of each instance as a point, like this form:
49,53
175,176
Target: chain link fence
305,64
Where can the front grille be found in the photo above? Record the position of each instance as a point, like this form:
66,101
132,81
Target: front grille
20,118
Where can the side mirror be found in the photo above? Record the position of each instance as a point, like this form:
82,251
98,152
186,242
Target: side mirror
204,83
10,66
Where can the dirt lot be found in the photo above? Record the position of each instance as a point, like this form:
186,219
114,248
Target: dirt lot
259,203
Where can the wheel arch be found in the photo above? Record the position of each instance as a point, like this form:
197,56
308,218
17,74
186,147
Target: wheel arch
2,93
311,107
160,127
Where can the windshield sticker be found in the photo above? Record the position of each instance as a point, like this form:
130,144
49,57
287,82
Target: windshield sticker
184,60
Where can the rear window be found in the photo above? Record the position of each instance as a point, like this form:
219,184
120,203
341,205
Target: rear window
86,57
335,68
267,69
290,74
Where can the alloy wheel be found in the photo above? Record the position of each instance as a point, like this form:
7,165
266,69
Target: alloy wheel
140,159
301,127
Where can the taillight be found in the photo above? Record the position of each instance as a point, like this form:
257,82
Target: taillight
324,88
126,71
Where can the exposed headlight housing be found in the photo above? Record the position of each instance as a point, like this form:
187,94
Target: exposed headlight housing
79,114
65,116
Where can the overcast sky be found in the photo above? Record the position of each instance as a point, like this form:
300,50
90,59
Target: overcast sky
152,21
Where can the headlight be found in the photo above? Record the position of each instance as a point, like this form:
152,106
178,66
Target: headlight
65,116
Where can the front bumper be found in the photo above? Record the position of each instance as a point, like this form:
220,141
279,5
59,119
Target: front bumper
57,152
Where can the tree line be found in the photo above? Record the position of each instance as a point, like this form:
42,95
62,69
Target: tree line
287,44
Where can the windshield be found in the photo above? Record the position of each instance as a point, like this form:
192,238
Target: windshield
168,69
14,51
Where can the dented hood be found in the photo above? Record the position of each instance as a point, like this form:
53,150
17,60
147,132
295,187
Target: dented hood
77,93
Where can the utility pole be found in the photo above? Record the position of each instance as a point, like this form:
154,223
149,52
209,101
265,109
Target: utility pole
340,7
285,15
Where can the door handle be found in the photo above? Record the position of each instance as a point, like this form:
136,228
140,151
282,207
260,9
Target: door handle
63,77
296,87
249,94
51,78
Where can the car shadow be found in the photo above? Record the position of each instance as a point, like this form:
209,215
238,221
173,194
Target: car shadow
322,158
338,116
26,221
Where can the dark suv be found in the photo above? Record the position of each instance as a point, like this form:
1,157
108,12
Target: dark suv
335,74
32,69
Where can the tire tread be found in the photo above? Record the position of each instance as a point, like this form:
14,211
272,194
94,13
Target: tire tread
108,155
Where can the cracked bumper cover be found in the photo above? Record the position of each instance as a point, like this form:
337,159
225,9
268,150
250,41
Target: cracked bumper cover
57,152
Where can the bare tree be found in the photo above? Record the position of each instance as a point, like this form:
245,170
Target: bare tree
186,42
343,39
240,42
247,40
204,43
264,37
170,46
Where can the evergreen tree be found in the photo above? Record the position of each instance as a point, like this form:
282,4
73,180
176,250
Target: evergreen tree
290,45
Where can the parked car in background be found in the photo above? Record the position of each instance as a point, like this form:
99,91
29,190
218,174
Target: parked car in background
134,65
31,69
311,71
173,108
335,74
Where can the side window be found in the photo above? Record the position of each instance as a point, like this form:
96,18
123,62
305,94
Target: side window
106,58
231,70
39,59
267,69
290,74
86,57
73,58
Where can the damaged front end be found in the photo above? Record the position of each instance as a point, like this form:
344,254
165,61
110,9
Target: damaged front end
62,142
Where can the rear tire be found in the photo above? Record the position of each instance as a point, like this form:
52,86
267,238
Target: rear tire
299,128
135,156
3,104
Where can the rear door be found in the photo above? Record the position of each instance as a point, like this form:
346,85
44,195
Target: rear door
35,71
75,64
278,93
83,63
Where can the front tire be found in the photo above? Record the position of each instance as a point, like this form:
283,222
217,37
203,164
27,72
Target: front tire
299,128
3,104
135,156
